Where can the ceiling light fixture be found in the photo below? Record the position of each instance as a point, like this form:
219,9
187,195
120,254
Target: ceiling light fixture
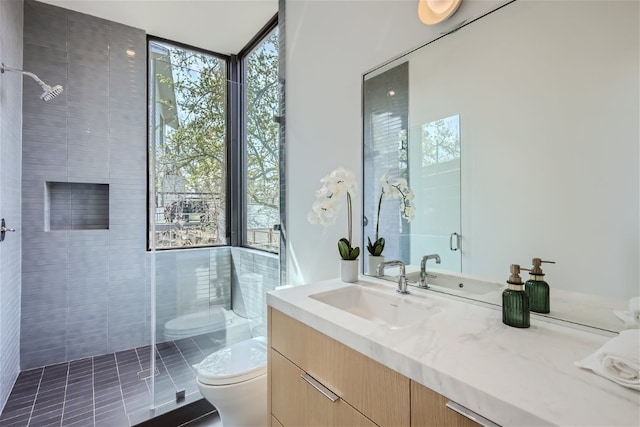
434,11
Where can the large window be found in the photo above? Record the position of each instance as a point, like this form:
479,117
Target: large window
188,146
214,173
261,167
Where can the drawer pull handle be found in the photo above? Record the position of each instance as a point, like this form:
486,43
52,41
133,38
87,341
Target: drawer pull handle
322,389
468,413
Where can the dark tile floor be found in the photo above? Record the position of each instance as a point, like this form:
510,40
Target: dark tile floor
109,390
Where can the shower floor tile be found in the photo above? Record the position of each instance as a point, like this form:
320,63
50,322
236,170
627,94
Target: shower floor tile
107,390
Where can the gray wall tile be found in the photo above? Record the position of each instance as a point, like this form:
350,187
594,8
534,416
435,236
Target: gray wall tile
254,273
11,39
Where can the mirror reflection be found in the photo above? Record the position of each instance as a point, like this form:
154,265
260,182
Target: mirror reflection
434,163
547,156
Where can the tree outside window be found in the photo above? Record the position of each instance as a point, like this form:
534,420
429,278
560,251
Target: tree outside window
188,121
261,144
188,137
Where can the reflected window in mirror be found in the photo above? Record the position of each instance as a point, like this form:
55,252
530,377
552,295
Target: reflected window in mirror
434,153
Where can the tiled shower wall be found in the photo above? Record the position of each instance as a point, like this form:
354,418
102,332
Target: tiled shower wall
10,145
84,292
254,274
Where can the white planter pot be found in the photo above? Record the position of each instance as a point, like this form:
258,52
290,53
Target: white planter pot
349,270
374,261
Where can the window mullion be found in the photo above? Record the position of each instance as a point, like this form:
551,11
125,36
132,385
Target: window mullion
235,155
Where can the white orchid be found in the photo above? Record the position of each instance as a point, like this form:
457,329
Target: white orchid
392,188
397,188
324,210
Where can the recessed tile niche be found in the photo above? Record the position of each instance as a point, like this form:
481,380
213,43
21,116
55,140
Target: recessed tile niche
76,206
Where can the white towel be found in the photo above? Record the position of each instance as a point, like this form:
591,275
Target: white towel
618,359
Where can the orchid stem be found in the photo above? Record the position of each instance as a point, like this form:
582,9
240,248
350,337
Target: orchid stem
349,218
378,217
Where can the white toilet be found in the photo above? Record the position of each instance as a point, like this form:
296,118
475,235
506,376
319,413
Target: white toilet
234,380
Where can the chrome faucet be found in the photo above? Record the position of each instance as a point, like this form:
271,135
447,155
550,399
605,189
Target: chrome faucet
424,276
402,279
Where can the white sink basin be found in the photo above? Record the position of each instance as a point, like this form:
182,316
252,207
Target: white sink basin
459,285
381,307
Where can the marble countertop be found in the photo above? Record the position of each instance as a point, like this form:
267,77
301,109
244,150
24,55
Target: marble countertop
514,377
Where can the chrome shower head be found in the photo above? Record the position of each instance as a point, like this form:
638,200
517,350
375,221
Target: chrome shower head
49,92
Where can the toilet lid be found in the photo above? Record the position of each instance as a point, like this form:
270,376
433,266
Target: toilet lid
236,363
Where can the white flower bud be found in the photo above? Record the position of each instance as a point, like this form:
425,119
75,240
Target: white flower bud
322,192
312,217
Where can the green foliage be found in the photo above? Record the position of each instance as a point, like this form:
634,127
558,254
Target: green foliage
440,141
191,156
376,247
190,132
262,157
346,251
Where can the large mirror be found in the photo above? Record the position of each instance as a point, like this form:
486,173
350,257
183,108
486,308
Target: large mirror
518,135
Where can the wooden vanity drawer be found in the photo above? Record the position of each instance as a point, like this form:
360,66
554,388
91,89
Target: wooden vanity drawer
294,402
373,389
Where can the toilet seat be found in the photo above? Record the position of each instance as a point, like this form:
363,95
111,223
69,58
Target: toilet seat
234,364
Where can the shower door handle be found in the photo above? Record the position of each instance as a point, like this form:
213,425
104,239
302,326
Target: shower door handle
4,229
454,237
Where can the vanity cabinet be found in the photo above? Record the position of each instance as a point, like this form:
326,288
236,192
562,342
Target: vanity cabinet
315,380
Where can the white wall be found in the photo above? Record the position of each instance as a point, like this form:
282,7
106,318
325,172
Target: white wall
330,45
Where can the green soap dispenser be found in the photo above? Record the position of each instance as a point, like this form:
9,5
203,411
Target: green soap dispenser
515,301
537,288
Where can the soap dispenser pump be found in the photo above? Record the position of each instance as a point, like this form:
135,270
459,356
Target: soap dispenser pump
515,301
537,288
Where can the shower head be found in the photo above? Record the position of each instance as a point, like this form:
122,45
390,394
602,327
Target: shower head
48,92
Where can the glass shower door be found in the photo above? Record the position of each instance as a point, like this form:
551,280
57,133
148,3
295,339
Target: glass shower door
193,318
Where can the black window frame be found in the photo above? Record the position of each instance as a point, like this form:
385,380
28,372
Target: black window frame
271,25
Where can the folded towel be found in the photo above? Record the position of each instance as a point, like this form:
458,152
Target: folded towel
618,359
